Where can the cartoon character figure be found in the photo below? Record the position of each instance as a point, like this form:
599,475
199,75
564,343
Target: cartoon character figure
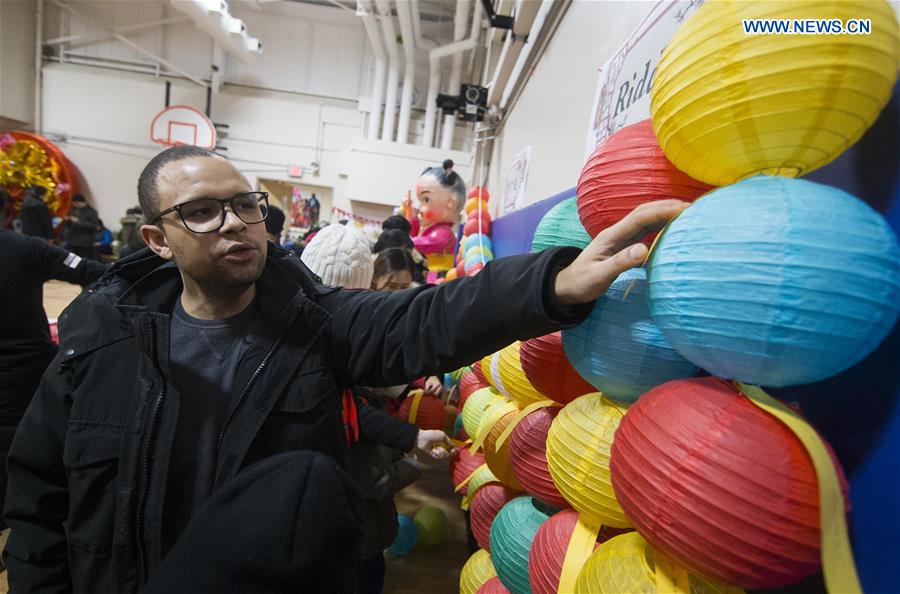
441,193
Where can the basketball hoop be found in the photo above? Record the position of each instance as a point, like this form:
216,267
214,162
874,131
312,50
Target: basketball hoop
181,124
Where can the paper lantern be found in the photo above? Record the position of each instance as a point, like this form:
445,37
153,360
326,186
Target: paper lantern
464,464
726,105
460,268
548,369
451,275
477,570
514,379
479,372
513,531
625,563
776,281
476,406
486,504
459,432
473,270
493,586
548,552
476,250
479,192
407,534
743,508
468,384
479,239
482,477
477,224
474,205
498,459
432,524
451,415
626,170
578,450
528,456
475,263
430,413
560,226
619,349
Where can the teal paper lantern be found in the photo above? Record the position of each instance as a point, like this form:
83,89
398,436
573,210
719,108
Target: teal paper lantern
776,281
560,226
619,349
512,532
407,535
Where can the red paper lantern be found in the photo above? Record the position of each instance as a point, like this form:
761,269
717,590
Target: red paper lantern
549,370
718,484
627,170
485,506
468,383
479,372
473,270
471,225
528,456
464,464
493,586
461,268
430,414
548,550
479,192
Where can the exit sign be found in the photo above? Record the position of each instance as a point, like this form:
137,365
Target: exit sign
295,170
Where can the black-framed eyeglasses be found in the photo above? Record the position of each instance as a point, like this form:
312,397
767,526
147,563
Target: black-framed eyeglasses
206,215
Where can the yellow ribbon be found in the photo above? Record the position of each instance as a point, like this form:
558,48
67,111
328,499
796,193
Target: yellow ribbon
465,481
581,545
837,556
417,399
507,431
486,427
459,443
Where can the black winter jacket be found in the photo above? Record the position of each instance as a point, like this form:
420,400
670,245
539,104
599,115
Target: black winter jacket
35,217
88,465
84,232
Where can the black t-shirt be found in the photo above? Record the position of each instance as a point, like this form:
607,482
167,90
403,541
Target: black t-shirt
204,355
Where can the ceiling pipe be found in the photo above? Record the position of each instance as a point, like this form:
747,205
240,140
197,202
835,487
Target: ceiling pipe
434,59
390,42
422,42
404,12
533,34
213,18
525,13
372,30
459,33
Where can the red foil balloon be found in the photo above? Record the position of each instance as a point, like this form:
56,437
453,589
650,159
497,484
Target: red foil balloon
548,550
431,413
468,383
493,586
718,484
485,506
528,456
548,369
627,170
463,464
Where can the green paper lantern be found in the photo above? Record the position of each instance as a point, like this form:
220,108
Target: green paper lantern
560,226
512,533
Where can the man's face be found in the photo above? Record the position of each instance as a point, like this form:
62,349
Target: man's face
229,259
436,203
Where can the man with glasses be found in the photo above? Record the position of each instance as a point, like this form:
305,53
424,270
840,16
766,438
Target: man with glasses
213,350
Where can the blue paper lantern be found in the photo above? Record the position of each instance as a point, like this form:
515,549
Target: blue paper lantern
476,239
407,535
475,259
560,226
512,533
619,349
776,282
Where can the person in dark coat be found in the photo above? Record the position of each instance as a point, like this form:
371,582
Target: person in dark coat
82,224
212,350
26,263
35,215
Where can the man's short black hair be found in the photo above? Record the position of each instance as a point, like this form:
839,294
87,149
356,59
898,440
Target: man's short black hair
148,194
396,222
274,220
392,238
78,198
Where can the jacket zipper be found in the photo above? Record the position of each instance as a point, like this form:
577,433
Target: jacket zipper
146,465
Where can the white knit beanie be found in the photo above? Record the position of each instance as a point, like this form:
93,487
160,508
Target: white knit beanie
342,256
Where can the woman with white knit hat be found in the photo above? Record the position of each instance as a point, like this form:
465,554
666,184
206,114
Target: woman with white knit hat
342,256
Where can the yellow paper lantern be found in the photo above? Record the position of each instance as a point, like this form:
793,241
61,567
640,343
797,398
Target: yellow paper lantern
477,570
481,477
513,378
498,459
578,452
727,105
628,563
486,365
474,409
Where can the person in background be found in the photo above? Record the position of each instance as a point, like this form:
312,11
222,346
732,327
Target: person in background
26,263
129,234
81,227
35,215
275,228
397,238
4,202
397,222
102,241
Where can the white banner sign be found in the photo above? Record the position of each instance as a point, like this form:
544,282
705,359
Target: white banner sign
623,89
514,183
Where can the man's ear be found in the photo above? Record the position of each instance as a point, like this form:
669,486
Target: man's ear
156,240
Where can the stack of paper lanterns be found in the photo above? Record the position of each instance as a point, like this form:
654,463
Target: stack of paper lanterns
764,280
475,248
